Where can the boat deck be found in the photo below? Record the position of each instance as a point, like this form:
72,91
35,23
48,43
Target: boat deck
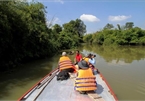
64,91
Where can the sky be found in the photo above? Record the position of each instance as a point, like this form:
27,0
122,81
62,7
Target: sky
96,13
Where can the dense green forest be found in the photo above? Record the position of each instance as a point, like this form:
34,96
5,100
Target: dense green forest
122,35
25,35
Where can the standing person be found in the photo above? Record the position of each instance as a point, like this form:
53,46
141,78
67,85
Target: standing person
78,57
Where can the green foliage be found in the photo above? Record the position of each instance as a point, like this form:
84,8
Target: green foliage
107,36
142,40
129,25
108,26
24,34
119,28
76,27
88,38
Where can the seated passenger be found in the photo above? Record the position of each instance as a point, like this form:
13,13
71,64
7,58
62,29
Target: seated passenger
85,80
92,61
78,57
65,63
87,57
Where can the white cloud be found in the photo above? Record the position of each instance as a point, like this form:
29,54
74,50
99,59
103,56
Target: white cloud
89,18
118,18
61,1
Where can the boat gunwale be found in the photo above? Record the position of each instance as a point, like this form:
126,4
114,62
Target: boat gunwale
111,90
36,84
49,74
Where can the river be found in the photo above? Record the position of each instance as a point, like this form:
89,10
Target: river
123,67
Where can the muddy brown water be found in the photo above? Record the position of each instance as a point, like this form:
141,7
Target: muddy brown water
123,67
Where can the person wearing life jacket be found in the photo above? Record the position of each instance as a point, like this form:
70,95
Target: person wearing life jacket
65,63
92,63
87,57
92,60
85,80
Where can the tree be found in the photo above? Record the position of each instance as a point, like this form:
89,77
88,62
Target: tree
118,27
76,27
108,26
80,27
129,25
25,35
133,36
56,29
123,27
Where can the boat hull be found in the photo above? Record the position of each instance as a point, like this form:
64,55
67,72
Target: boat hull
48,88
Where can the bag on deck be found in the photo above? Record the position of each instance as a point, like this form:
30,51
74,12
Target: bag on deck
63,75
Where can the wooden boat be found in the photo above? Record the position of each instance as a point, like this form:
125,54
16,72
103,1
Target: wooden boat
49,89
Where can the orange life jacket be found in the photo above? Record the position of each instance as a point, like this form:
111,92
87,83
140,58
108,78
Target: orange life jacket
65,63
85,80
86,59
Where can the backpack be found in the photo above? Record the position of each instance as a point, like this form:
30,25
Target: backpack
63,75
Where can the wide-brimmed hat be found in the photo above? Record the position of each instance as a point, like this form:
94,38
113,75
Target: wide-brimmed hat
83,64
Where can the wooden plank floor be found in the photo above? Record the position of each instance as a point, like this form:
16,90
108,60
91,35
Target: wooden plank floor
64,91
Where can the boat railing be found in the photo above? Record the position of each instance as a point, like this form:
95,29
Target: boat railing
38,85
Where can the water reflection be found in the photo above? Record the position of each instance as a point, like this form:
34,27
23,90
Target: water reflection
117,62
123,67
17,82
118,55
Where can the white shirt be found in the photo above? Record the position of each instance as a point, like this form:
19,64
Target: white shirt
92,61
